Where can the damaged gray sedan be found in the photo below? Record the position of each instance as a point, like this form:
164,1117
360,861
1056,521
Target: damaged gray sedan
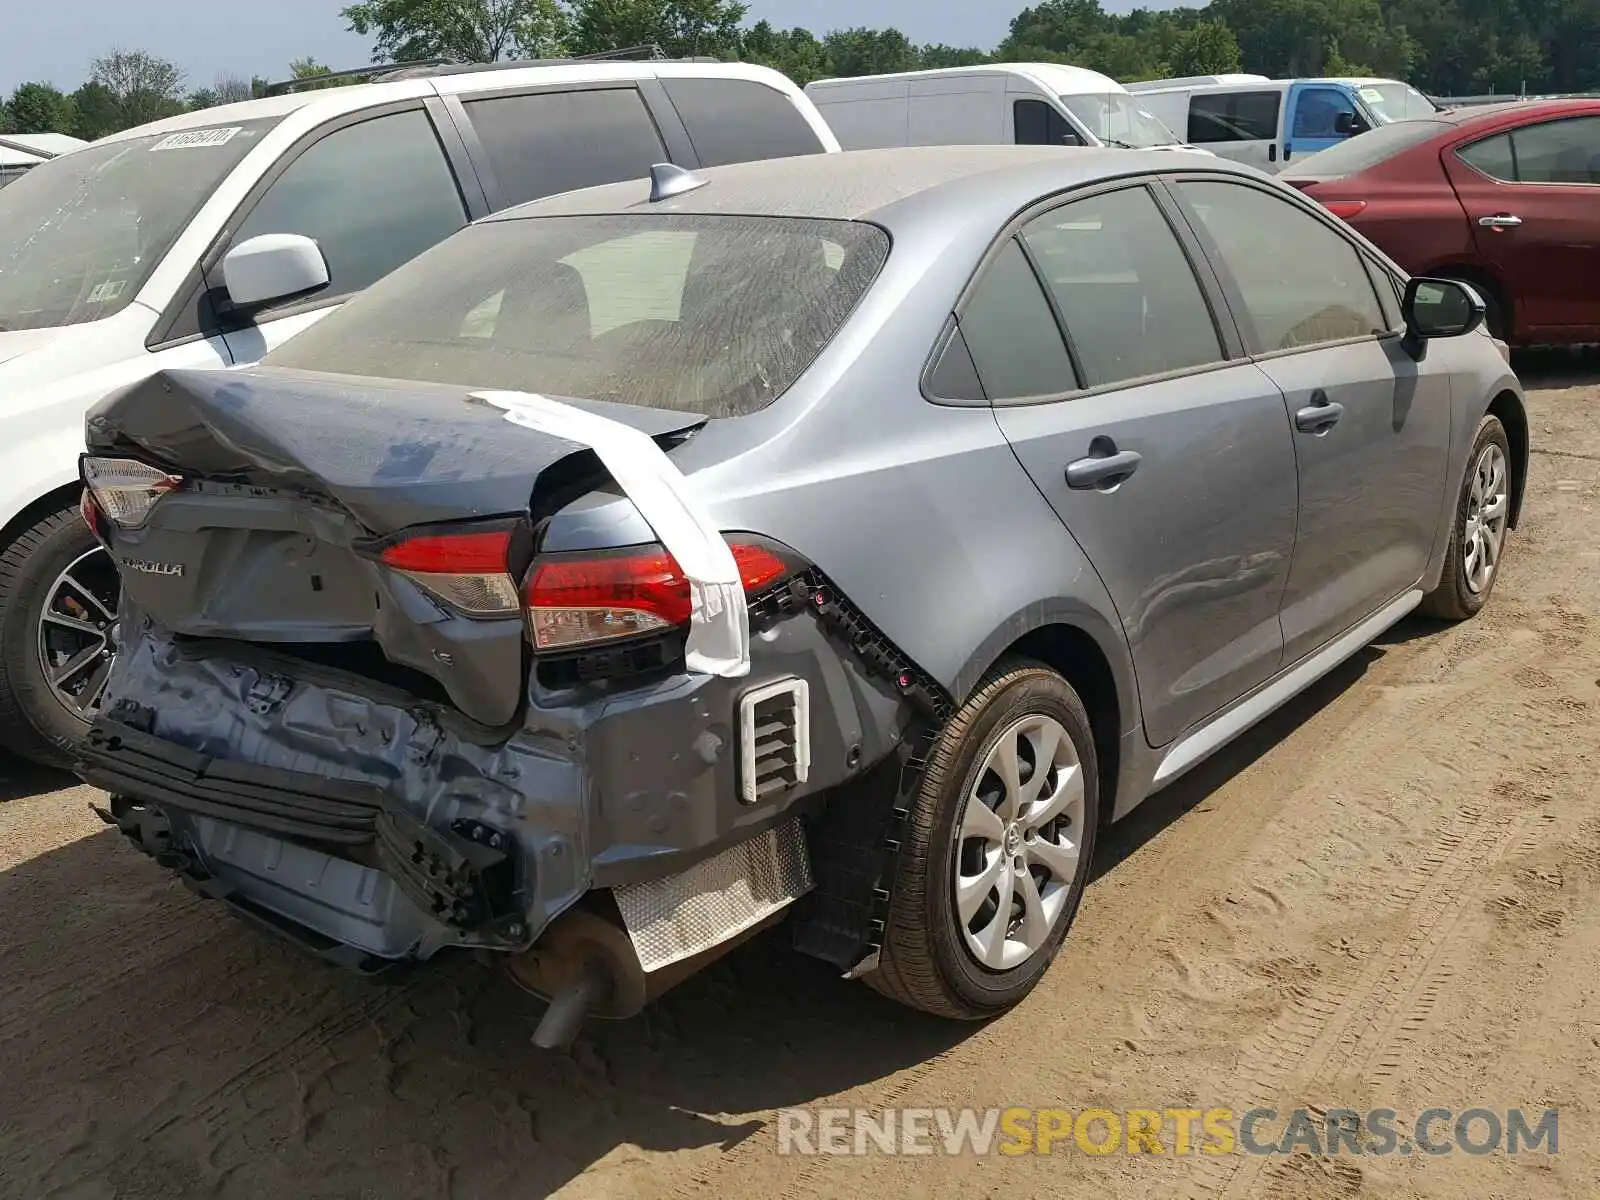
842,539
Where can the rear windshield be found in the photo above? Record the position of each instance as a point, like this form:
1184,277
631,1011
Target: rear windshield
714,315
1366,150
80,234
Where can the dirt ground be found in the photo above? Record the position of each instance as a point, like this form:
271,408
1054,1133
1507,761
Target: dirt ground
1388,895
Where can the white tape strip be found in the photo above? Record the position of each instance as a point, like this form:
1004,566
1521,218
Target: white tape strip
719,622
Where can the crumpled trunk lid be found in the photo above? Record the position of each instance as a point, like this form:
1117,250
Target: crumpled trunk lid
289,476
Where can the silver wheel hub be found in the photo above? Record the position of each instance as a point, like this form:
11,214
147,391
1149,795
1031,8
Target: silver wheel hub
1018,845
78,632
1484,531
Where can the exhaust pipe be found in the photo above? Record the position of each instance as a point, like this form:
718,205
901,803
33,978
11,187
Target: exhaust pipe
585,965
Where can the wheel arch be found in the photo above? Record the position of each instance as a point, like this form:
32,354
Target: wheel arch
1508,407
62,496
1091,654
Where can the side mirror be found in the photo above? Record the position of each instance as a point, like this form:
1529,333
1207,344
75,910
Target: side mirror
1344,124
1438,308
273,267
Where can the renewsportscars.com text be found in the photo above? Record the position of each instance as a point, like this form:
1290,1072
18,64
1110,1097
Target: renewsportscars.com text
1174,1131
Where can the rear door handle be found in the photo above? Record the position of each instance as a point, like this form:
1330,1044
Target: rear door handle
1104,468
1500,221
1319,416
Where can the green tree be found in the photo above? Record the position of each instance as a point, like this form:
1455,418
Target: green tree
869,52
39,108
936,56
95,112
682,28
795,52
146,88
1205,48
464,30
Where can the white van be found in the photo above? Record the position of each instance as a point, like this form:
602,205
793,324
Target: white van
1270,122
1030,104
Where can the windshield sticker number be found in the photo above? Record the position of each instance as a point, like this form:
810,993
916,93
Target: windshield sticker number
195,138
1372,95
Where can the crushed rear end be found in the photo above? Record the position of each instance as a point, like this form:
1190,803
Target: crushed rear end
355,698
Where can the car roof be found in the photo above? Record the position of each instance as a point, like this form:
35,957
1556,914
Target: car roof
334,101
865,184
1533,108
1057,77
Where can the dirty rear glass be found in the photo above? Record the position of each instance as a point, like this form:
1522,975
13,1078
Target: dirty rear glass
714,315
80,234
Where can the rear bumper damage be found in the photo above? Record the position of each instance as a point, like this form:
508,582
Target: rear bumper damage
373,827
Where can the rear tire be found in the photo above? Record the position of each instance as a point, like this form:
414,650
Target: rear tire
970,968
1477,542
33,722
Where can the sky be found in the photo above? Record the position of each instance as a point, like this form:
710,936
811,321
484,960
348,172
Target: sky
55,42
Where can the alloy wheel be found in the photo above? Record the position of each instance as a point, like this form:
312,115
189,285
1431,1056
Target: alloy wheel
77,632
1488,506
1019,843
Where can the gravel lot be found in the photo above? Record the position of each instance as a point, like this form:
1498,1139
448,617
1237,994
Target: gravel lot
1387,895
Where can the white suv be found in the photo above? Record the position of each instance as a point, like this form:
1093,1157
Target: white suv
205,240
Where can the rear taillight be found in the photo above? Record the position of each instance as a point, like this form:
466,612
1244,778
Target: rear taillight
581,601
468,571
124,489
92,516
1344,209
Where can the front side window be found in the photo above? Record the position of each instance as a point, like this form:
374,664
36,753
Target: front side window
1302,284
714,315
1234,117
1037,124
1317,110
80,234
545,143
739,120
372,195
1124,287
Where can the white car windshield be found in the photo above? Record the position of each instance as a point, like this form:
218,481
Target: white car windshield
80,234
1117,120
1390,102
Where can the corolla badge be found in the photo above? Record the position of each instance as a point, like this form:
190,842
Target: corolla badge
147,567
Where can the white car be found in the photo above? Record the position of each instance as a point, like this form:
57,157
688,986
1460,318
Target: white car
204,240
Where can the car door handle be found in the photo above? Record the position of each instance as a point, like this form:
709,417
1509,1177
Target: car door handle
1319,416
1104,468
1500,221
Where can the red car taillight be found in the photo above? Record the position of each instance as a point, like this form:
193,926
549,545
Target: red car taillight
572,601
579,601
469,571
1344,209
124,490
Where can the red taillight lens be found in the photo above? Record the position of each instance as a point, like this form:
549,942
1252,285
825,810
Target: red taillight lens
124,489
1344,209
468,571
92,517
597,598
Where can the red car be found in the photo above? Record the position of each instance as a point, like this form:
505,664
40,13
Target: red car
1504,196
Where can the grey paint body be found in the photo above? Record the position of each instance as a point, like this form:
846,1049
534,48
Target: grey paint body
1217,578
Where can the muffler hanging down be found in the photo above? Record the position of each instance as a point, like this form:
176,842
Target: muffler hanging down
587,964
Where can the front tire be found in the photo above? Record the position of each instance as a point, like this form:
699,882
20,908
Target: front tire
58,603
996,849
1480,529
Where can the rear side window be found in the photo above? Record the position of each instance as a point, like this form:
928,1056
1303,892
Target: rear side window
1493,157
372,195
737,120
1234,117
1302,284
550,142
715,315
1558,151
1012,335
1123,286
1037,124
